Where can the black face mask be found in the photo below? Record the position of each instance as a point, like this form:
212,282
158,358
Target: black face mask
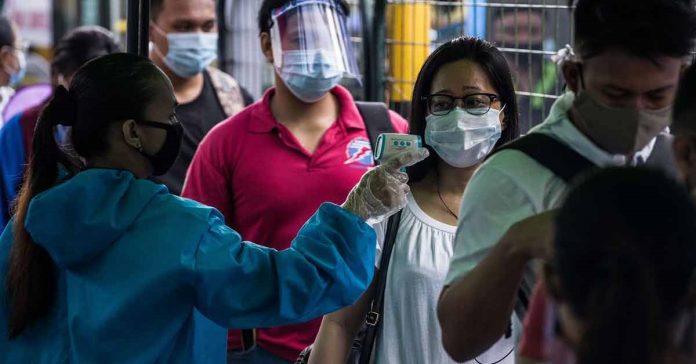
163,160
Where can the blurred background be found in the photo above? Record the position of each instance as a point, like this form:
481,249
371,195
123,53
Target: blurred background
392,39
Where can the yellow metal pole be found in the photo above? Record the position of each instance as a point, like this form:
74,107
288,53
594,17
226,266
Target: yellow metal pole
408,30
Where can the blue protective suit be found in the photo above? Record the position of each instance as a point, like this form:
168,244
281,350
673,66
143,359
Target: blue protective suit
136,264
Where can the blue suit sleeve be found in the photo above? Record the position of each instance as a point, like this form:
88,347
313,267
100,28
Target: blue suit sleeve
244,285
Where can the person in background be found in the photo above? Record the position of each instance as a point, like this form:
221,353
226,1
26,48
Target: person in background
13,63
532,73
622,77
536,346
621,276
184,36
269,167
463,106
76,48
38,67
102,265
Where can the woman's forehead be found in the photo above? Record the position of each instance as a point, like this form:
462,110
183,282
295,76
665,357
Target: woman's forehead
460,76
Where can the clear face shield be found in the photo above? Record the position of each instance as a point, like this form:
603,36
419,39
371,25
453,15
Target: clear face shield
311,47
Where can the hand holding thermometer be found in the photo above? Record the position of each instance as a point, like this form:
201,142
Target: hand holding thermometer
389,144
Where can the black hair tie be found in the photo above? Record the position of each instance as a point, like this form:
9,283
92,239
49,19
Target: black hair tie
64,107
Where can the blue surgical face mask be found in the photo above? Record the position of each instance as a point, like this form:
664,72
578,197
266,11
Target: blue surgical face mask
17,76
309,75
190,53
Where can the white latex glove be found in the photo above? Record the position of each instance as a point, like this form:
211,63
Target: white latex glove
383,190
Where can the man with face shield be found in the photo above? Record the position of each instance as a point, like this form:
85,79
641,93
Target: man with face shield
305,142
184,35
622,77
310,60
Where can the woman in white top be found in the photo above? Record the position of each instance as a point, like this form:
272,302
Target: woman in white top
463,106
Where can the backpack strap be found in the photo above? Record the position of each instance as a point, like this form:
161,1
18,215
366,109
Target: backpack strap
557,157
376,117
374,316
228,91
560,159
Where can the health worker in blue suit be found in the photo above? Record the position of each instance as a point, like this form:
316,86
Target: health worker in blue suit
101,265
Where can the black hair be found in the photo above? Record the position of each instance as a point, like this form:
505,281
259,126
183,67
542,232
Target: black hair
684,112
625,252
81,45
265,19
496,67
107,89
7,34
156,7
646,28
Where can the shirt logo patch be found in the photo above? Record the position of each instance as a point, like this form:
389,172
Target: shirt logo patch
359,151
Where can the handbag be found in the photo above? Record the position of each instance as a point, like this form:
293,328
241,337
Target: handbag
363,344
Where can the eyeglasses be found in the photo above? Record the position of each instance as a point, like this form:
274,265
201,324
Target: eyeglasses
474,104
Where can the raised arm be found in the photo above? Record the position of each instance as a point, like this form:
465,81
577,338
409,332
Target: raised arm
329,265
491,254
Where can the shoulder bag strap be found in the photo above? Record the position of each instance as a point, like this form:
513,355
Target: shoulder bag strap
374,317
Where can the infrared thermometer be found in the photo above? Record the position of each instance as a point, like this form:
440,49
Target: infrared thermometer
389,144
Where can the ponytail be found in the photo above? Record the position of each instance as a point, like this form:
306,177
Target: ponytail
31,276
624,319
105,90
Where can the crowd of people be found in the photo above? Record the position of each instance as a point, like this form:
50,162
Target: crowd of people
153,212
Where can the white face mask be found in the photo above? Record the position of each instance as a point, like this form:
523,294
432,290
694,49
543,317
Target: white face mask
462,139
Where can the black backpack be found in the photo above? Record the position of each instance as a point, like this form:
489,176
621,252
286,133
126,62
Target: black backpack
564,162
377,121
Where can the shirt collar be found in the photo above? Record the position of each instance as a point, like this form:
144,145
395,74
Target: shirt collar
263,120
349,117
559,125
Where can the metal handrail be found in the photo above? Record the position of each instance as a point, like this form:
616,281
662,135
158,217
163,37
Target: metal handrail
138,29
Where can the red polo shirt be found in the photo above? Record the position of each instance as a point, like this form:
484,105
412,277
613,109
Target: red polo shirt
254,170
